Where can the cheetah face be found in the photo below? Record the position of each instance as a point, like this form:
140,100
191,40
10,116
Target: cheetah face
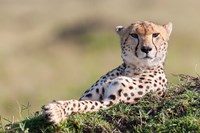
144,43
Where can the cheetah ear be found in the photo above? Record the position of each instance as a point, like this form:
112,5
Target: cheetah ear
168,28
119,30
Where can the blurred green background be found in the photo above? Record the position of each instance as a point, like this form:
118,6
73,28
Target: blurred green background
55,49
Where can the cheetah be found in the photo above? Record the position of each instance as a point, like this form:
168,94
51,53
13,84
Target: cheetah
143,51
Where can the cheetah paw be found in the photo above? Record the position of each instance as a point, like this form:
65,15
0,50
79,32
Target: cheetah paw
53,113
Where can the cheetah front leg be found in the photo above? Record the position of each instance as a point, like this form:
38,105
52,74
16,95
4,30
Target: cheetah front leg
120,90
58,111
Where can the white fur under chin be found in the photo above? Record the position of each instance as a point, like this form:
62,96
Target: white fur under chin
133,60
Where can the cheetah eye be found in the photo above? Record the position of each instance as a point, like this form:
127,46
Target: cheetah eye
155,35
134,35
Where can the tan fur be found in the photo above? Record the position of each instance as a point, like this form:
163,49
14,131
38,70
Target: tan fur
144,47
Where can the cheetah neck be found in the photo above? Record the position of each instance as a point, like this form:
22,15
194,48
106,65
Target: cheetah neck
131,70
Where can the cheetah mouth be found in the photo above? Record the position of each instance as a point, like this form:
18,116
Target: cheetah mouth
147,57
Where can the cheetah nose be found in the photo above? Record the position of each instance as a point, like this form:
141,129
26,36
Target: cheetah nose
146,49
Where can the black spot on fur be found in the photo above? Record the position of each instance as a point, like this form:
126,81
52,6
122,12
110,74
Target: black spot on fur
140,86
101,97
132,94
97,91
103,90
115,83
92,107
142,78
151,76
111,103
85,107
158,89
127,81
130,87
87,91
123,85
125,94
113,97
89,95
74,105
140,92
136,99
95,85
96,103
119,92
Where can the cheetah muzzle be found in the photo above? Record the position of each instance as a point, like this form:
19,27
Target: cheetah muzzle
143,50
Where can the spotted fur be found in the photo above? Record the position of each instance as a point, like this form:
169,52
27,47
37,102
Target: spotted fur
143,49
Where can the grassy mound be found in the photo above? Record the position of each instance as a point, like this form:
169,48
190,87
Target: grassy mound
178,111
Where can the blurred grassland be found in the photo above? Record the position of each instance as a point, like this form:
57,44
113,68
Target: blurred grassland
56,49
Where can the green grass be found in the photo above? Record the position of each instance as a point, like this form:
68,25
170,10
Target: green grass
178,111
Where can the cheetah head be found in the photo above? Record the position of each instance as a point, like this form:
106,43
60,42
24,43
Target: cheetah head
144,43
